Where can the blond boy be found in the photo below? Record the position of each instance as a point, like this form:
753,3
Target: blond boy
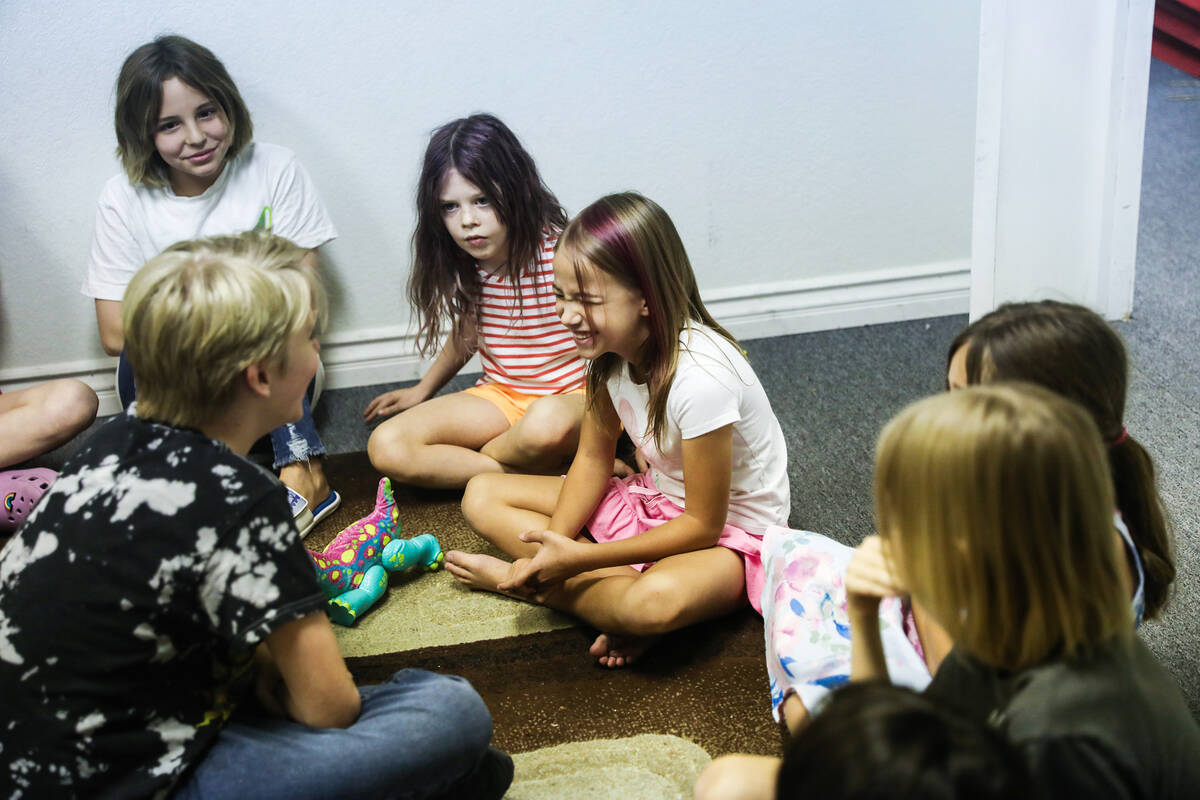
162,565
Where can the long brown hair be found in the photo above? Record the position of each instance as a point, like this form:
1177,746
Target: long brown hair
631,238
481,148
139,101
999,505
1071,350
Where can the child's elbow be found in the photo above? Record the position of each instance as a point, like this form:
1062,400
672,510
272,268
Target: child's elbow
339,711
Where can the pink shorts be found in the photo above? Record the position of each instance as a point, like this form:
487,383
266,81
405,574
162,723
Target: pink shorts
634,505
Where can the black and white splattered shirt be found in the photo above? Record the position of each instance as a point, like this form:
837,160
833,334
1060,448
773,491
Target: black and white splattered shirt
130,604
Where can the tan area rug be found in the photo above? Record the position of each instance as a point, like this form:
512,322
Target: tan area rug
583,730
649,767
432,610
423,609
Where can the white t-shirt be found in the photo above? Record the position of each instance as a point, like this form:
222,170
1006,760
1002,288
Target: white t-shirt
264,186
714,386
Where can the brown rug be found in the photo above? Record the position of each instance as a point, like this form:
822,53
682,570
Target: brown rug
706,685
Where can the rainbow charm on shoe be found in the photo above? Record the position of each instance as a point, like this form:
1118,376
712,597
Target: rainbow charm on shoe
353,569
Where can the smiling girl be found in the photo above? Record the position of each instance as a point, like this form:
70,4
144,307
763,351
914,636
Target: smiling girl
656,551
192,169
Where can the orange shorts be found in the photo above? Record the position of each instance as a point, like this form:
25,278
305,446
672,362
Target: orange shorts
512,404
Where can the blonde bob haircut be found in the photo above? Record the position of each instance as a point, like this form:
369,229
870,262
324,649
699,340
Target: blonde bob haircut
202,311
999,505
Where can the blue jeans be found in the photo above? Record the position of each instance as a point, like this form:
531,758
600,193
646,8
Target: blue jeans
291,443
420,735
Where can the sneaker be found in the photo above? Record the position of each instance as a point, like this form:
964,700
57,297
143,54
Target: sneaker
300,512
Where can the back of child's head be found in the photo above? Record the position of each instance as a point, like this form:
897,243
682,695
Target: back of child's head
1074,352
999,505
488,154
139,101
200,312
632,239
874,741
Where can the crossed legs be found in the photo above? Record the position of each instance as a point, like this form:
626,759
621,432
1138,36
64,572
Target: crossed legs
626,605
444,442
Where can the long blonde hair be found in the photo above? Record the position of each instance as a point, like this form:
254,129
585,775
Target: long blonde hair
999,505
632,239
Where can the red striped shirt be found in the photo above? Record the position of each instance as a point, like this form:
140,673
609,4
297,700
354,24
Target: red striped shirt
523,345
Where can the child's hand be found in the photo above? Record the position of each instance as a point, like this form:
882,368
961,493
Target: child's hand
870,577
393,402
558,558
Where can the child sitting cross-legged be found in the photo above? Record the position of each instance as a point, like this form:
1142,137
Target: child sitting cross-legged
161,627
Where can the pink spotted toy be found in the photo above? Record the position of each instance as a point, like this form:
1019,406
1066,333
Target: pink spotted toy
353,569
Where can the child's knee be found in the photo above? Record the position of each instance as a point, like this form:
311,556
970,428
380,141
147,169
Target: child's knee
480,498
652,606
548,427
735,777
390,451
719,780
70,407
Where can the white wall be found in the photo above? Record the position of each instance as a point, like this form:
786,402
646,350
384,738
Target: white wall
1062,116
817,158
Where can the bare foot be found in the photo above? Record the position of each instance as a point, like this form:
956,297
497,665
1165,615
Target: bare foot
306,478
478,570
619,651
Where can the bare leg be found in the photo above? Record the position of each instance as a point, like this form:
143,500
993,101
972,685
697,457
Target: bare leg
435,444
544,439
676,592
795,715
738,777
40,418
502,507
307,478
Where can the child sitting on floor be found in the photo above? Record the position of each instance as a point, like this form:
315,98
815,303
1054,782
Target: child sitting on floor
191,168
161,586
994,507
1066,348
663,549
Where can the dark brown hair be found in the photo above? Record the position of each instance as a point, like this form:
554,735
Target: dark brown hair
139,101
486,153
1071,350
874,741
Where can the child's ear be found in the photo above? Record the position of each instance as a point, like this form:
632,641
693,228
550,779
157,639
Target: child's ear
644,311
258,380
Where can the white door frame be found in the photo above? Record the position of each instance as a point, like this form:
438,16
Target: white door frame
1060,123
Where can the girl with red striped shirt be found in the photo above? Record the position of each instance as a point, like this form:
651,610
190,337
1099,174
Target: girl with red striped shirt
482,281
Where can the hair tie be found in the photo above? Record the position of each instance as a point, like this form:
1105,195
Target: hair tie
1122,436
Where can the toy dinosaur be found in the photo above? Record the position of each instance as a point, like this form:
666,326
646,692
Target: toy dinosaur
353,569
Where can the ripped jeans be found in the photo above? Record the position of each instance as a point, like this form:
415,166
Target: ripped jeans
293,443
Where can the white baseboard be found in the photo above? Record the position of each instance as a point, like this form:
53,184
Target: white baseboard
387,355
